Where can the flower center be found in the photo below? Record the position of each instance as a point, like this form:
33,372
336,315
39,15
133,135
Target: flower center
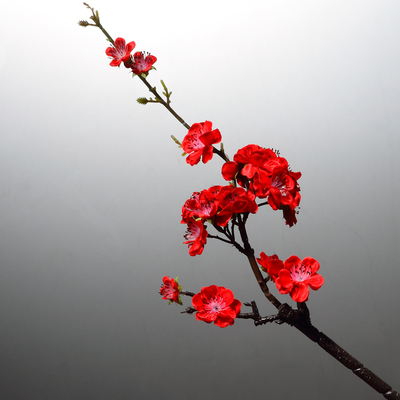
193,232
206,207
300,272
194,143
214,305
279,183
168,290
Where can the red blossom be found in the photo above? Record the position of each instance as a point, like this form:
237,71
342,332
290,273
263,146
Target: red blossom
297,275
121,52
284,190
196,236
256,159
203,205
216,304
141,63
267,175
170,290
270,264
198,142
218,204
234,201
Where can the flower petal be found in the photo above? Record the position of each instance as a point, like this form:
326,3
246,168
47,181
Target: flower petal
207,154
300,292
130,46
210,137
312,263
315,281
284,282
226,294
209,291
223,322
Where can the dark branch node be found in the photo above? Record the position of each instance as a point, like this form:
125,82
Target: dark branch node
189,310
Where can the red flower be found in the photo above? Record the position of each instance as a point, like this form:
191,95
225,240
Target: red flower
284,190
218,204
140,63
202,205
233,201
196,236
216,304
120,52
170,289
270,264
254,163
296,276
266,174
256,159
198,142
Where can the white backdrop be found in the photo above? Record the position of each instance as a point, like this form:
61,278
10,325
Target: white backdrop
92,187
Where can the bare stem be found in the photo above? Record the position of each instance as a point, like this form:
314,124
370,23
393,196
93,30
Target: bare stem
163,102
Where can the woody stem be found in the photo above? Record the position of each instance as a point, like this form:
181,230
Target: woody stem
249,252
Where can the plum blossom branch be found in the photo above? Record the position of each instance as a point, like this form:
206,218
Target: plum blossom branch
261,173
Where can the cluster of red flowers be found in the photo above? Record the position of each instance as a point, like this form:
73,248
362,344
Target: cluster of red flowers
217,204
268,176
293,276
261,173
122,53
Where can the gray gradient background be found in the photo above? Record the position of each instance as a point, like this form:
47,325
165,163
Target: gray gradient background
92,188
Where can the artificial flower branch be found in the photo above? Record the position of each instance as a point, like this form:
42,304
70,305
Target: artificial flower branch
255,172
